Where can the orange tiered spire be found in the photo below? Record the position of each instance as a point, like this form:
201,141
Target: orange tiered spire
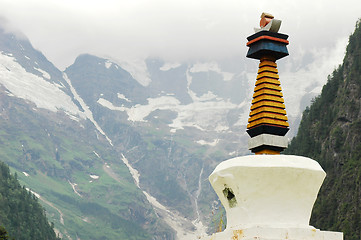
267,104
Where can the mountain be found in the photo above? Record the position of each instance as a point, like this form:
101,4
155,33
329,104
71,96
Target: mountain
117,150
57,151
330,133
94,126
20,212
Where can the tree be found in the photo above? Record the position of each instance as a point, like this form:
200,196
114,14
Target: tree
3,233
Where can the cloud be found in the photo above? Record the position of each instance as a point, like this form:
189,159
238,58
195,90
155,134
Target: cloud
297,79
172,30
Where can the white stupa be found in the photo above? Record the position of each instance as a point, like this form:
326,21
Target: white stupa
268,196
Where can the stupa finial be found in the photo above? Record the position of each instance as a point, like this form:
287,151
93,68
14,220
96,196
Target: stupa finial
268,23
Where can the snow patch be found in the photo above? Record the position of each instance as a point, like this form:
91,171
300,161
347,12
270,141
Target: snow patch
232,153
172,218
108,64
73,185
72,117
203,142
169,66
95,177
87,111
138,69
26,174
211,66
122,96
46,75
25,85
155,202
133,172
34,193
196,114
96,154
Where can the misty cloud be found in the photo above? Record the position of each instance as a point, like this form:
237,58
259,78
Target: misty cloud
172,30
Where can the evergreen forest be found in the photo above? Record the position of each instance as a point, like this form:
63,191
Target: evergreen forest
21,215
330,133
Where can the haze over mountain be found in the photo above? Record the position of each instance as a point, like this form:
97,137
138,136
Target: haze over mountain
115,151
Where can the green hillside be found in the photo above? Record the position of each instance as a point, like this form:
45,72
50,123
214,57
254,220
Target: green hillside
81,181
330,132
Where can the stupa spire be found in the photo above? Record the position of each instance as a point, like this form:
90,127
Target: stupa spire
267,123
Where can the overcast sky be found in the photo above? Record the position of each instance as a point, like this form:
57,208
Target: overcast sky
176,31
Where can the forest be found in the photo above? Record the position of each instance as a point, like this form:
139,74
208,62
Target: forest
21,215
330,133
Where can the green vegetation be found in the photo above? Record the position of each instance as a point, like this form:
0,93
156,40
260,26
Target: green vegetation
330,133
3,233
86,189
20,212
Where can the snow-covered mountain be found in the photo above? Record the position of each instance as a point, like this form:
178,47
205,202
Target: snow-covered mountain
179,98
153,133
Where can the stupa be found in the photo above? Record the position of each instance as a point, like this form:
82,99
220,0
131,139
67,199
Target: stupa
268,196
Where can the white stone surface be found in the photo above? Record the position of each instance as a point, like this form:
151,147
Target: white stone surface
269,197
267,139
270,190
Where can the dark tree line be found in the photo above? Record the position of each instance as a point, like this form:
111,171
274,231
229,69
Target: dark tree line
330,132
21,215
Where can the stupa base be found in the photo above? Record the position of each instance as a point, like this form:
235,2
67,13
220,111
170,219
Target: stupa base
268,233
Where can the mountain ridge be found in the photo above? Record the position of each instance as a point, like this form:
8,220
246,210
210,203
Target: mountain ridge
329,133
110,144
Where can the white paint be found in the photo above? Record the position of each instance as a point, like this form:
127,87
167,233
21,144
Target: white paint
267,139
272,197
271,190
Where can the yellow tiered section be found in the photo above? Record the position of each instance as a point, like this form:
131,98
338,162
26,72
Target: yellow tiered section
267,105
